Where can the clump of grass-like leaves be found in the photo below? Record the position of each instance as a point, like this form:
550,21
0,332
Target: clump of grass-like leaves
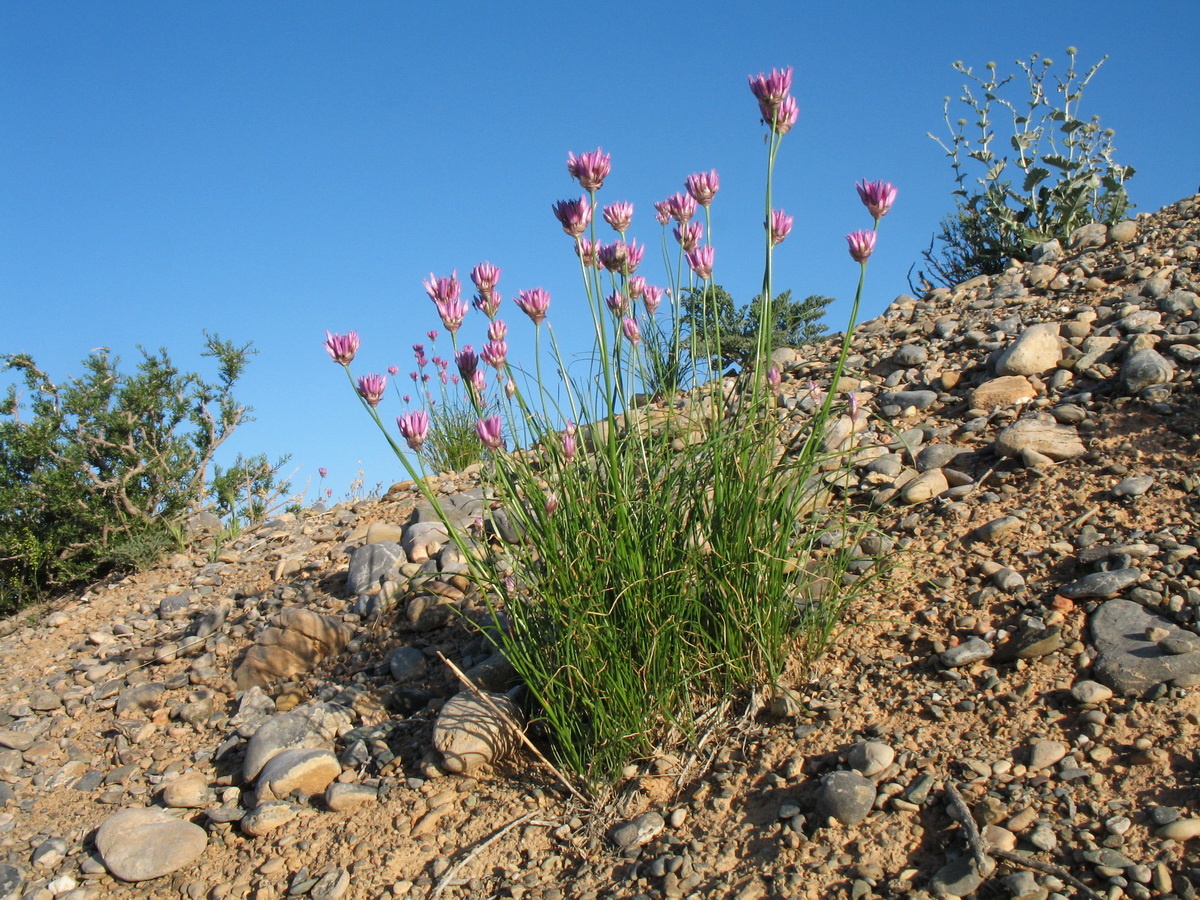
661,557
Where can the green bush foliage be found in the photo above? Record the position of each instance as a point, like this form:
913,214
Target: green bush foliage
1059,175
98,472
733,332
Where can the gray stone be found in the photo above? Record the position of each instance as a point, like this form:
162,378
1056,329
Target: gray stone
1035,351
423,540
1101,584
407,664
495,673
1058,442
936,456
308,771
469,734
1085,236
904,399
332,885
1046,252
140,698
305,727
370,564
869,758
44,701
969,651
1133,486
845,796
911,355
175,605
10,882
1091,693
1126,660
1123,232
639,831
266,817
341,797
1045,754
1145,368
141,844
957,878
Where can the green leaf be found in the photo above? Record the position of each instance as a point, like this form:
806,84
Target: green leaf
994,172
1034,177
1059,162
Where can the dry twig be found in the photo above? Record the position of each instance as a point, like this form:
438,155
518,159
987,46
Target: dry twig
981,849
516,727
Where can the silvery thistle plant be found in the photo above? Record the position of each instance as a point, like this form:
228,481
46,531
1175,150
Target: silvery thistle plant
670,557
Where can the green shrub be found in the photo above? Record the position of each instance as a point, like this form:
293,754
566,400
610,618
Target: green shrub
796,322
1059,175
97,472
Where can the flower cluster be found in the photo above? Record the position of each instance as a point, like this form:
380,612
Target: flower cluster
775,102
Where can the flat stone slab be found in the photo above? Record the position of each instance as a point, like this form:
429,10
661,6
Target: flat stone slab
141,844
1128,661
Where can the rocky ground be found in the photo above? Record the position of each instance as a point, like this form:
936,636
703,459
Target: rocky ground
261,720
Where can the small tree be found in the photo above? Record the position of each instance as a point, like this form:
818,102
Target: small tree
95,469
1064,168
796,322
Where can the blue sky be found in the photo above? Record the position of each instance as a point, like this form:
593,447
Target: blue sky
268,170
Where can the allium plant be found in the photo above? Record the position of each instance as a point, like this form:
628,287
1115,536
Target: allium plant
672,555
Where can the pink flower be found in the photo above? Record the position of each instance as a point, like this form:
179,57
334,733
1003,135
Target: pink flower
652,295
494,354
854,403
393,370
617,303
342,347
322,471
590,169
681,207
407,398
774,377
478,383
490,432
877,196
371,388
497,330
510,389
488,304
862,243
328,493
779,226
637,285
814,391
440,289
467,360
629,325
569,442
662,212
485,276
619,215
788,113
778,108
703,186
446,294
587,252
574,215
414,426
690,234
621,257
534,304
551,503
701,261
432,335
771,89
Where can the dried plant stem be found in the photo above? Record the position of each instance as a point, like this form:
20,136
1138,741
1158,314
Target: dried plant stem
980,848
448,878
516,727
